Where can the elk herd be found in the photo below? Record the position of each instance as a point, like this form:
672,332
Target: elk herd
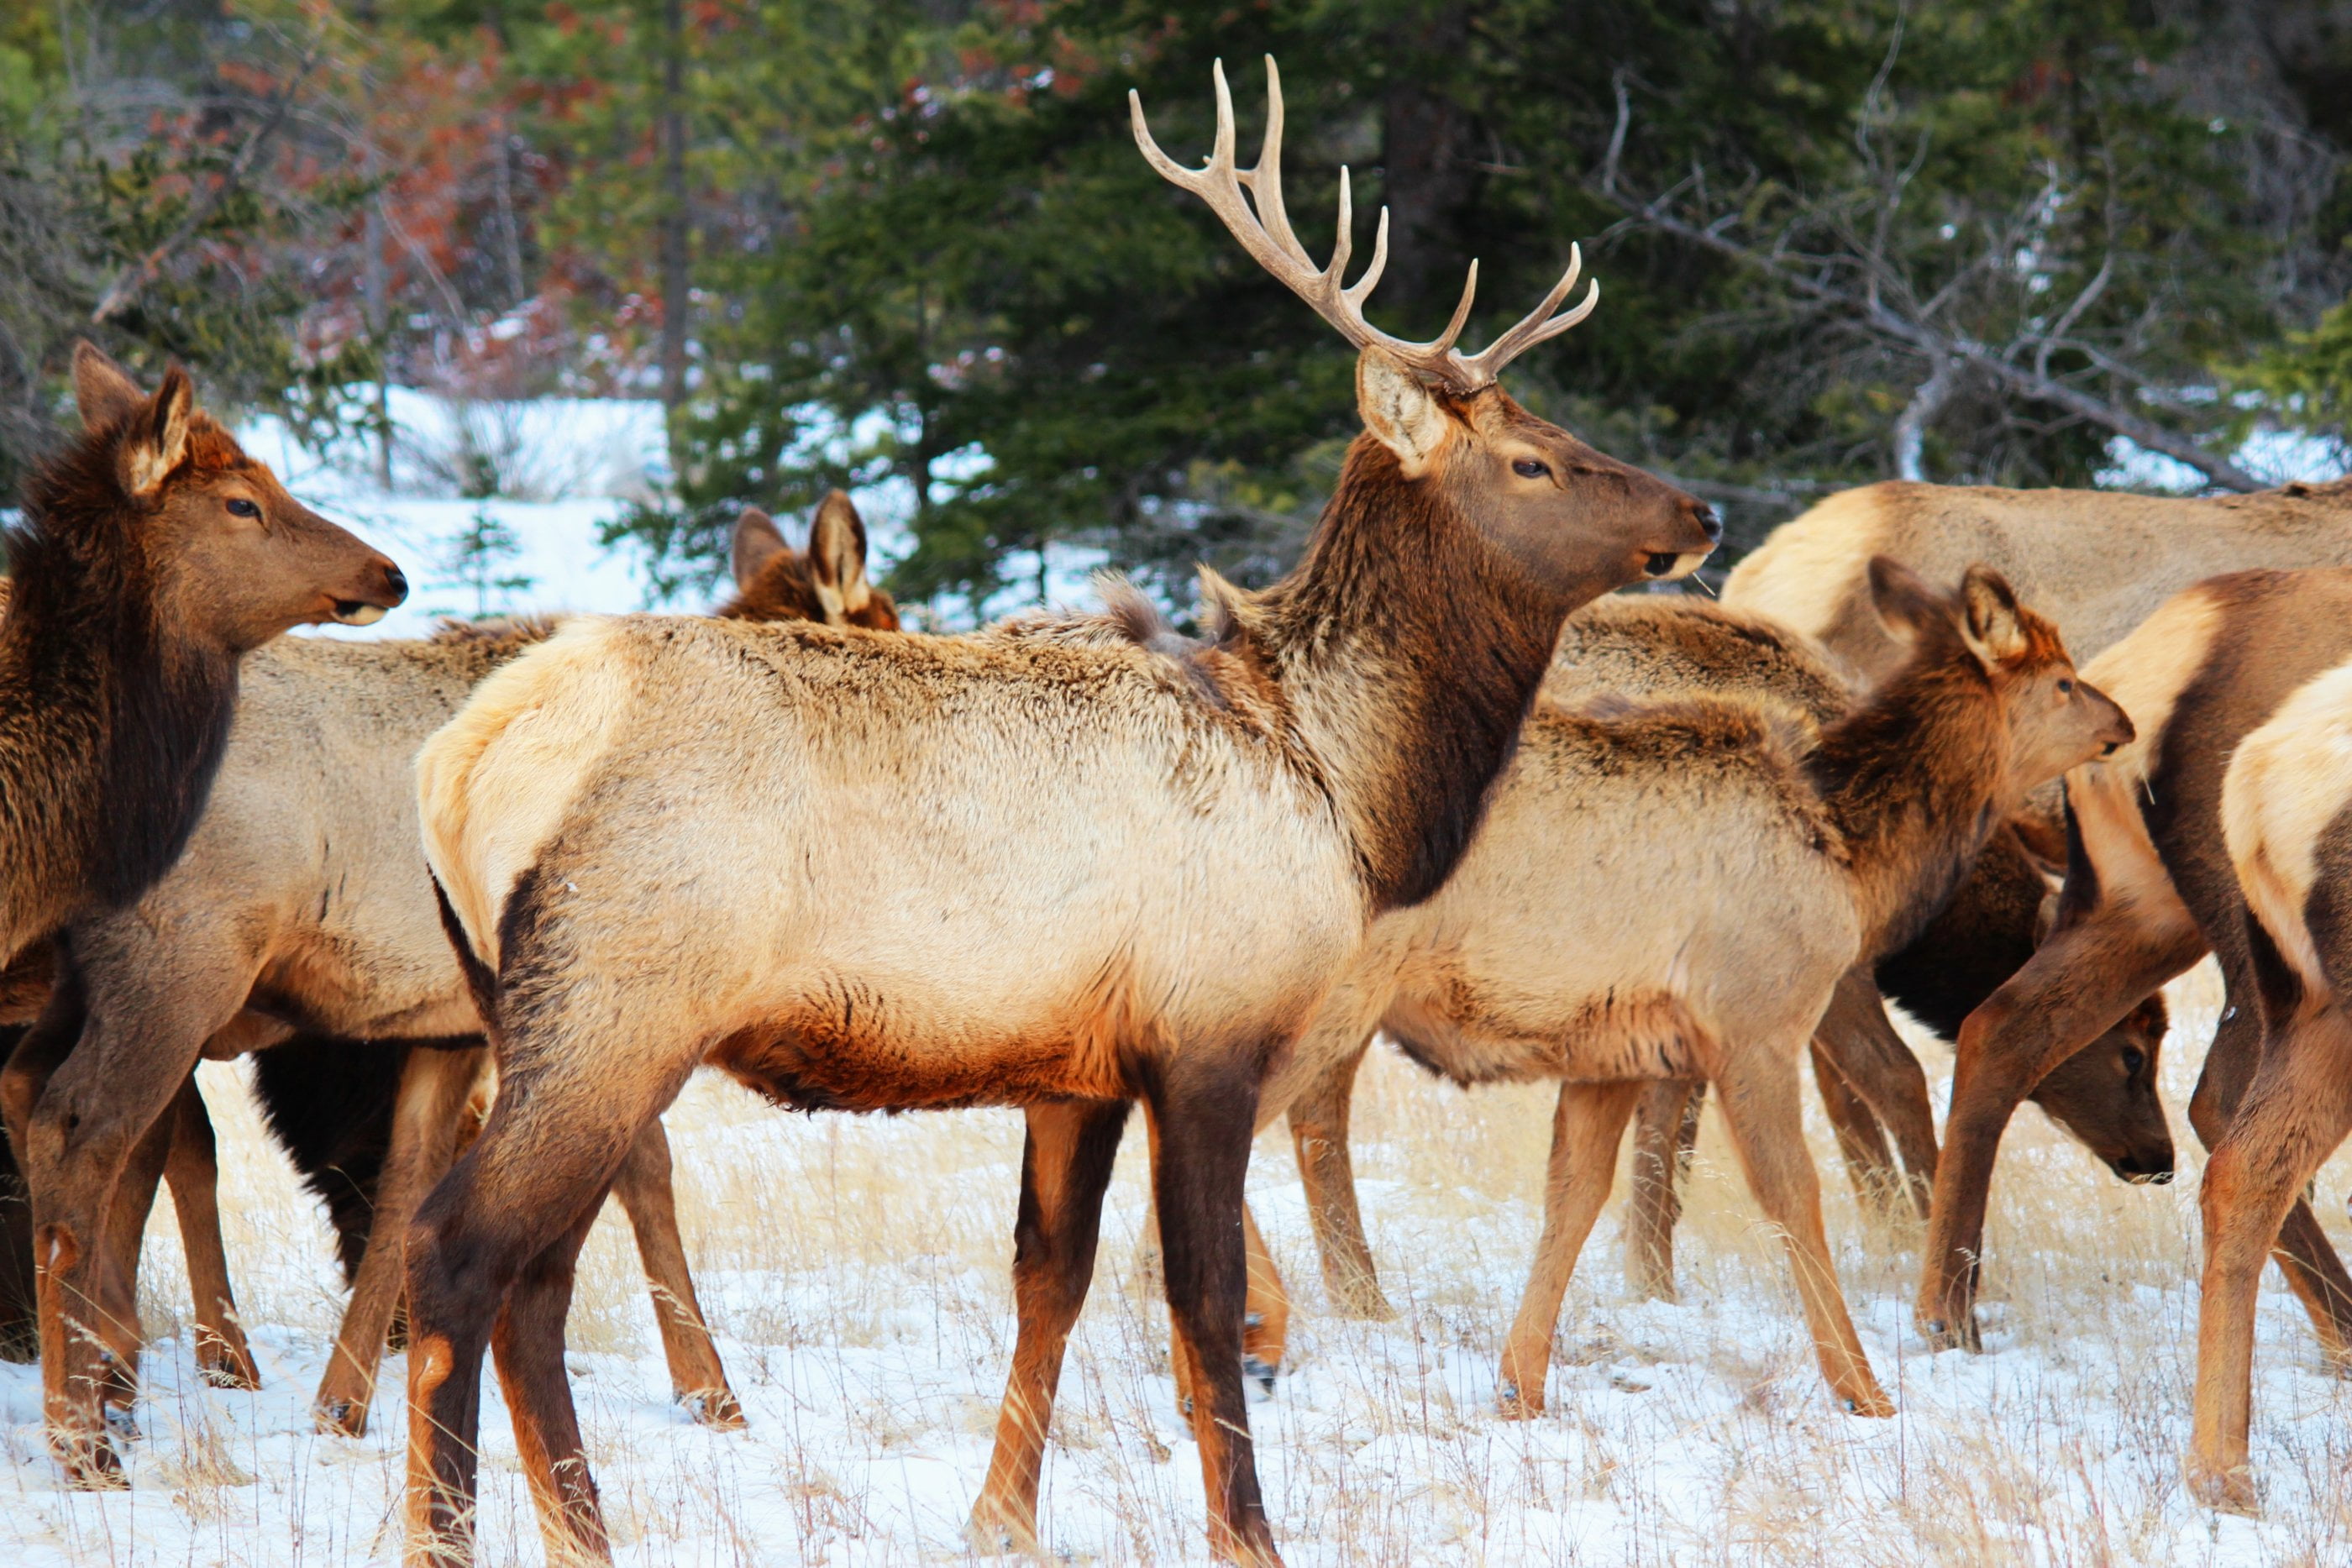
482,903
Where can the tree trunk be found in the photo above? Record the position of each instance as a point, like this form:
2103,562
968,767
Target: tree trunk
1427,141
676,256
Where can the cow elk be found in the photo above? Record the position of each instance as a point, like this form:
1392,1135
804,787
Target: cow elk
153,555
1094,875
2149,891
302,909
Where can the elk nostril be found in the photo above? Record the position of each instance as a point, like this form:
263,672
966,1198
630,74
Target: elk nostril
1710,523
396,582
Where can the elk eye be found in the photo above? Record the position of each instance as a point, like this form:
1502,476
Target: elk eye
1528,468
2133,1061
241,507
2065,687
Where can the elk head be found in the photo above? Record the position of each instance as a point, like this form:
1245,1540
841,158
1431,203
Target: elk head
2056,719
232,560
1567,516
828,584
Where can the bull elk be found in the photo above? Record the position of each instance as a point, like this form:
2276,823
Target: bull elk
1095,874
153,555
2149,891
302,908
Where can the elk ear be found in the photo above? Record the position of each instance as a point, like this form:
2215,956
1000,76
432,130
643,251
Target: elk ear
837,556
757,543
1990,619
101,390
157,438
1907,606
1402,414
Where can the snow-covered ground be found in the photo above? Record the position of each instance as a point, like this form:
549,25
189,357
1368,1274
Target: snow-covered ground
856,1271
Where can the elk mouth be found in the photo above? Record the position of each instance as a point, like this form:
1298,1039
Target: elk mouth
1665,565
357,612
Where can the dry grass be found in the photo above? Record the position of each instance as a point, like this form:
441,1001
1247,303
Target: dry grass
856,1272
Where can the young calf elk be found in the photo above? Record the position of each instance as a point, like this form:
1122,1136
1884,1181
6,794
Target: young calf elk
1819,850
153,555
302,904
1094,875
2149,889
2286,819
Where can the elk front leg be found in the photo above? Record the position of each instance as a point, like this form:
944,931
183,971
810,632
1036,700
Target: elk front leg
1265,1314
1762,1110
697,1378
433,1090
20,1339
1066,1166
2082,980
2305,1256
2297,1111
223,1356
1665,1130
1318,1134
1586,1125
1859,1041
1869,1166
1204,1114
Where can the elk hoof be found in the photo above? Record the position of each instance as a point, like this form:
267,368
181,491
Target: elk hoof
124,1422
1513,1406
227,1369
992,1532
714,1408
92,1465
1262,1371
2229,1492
340,1418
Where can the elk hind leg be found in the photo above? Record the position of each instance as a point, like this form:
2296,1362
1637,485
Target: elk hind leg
1586,1125
1869,1165
1318,1134
1066,1166
1665,1130
193,1170
697,1379
2297,1112
1859,1041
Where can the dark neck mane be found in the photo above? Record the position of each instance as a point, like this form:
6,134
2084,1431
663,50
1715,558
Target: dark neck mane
110,729
1913,781
1407,652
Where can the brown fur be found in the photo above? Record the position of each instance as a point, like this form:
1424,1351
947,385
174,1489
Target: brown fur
301,903
135,592
2149,889
2096,562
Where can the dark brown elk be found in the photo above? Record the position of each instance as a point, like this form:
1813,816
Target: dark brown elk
1096,873
2286,821
2149,889
153,555
303,907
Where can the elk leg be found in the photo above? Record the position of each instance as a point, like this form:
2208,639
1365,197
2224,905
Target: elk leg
1869,1165
1665,1130
2297,1111
1204,1119
106,1091
223,1356
1318,1133
697,1378
1586,1125
1265,1311
126,1235
2305,1256
1761,1107
560,1129
1859,1039
433,1085
1066,1165
2077,984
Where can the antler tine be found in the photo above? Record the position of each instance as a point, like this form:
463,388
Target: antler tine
1536,327
1265,181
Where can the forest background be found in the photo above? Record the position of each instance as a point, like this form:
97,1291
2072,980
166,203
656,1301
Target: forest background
909,242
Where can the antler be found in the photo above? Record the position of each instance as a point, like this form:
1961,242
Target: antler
1266,234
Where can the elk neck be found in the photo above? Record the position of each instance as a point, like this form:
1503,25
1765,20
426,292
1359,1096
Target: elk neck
111,725
1912,780
1408,652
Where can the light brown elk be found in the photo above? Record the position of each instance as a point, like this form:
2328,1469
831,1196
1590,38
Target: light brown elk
2097,562
1097,874
2286,821
1819,849
302,905
153,555
2149,891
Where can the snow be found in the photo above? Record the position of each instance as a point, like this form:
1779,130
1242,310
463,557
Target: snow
856,1271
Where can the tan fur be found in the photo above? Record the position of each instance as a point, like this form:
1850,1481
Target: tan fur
2288,781
2096,562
